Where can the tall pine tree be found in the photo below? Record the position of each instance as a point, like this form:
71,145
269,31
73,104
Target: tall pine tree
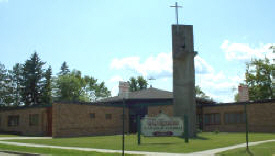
17,80
32,76
3,73
47,88
64,69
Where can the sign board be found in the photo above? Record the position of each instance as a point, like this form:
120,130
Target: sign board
243,93
162,125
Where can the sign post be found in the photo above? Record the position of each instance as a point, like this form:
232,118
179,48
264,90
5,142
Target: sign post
138,128
123,129
244,97
125,93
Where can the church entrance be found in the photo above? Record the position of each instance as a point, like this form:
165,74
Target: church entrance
134,112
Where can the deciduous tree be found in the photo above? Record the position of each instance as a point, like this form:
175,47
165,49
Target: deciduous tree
137,84
258,79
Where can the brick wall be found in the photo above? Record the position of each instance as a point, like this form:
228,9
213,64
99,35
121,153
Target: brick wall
261,117
24,126
75,120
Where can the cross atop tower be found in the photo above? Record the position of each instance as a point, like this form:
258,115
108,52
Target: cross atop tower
176,6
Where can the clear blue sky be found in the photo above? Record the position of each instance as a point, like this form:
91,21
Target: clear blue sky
113,40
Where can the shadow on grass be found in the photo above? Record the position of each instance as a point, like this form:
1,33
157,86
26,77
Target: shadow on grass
158,143
196,138
249,152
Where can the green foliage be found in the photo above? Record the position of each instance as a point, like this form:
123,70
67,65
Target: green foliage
10,84
236,97
200,94
32,80
30,84
47,88
17,80
64,69
73,87
3,86
137,84
216,131
69,86
258,79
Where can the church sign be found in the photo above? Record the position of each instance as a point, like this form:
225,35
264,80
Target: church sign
162,125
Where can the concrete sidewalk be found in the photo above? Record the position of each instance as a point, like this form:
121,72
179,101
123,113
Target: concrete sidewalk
200,153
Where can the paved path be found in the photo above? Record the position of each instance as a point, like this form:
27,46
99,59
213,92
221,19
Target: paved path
200,153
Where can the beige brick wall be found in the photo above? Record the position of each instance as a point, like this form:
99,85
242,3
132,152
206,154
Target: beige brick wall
24,128
74,120
222,110
261,117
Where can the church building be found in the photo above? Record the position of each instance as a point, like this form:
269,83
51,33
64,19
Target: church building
105,117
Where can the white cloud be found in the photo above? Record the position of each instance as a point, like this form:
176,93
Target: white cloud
4,1
113,84
244,51
158,67
215,84
202,67
219,86
116,79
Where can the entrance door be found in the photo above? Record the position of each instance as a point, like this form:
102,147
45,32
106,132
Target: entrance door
134,112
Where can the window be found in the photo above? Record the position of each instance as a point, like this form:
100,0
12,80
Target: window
92,115
13,120
234,118
108,116
33,119
212,119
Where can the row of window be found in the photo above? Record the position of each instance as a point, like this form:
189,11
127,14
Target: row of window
107,116
13,120
229,118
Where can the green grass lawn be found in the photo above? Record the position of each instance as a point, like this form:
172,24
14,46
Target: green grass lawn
4,135
51,151
203,141
266,149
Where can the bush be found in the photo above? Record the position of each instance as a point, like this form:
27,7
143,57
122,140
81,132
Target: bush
216,131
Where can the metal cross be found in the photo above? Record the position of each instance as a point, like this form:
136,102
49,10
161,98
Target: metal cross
176,8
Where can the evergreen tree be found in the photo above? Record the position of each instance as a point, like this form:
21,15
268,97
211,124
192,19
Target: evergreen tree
9,89
32,76
3,76
47,88
17,80
64,69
